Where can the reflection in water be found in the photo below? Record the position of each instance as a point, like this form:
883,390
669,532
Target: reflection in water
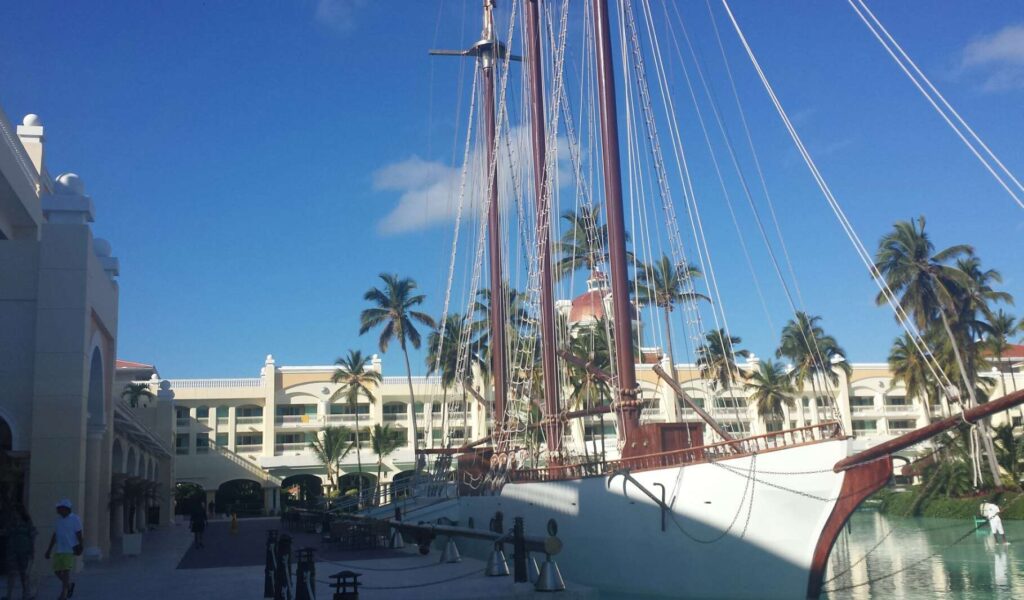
931,558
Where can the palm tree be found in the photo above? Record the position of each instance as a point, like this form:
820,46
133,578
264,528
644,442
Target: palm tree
716,359
909,368
445,351
584,243
929,289
812,352
384,441
590,343
1002,326
330,448
393,311
135,392
356,380
665,284
1010,451
771,388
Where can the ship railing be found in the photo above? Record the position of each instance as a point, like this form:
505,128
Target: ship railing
700,454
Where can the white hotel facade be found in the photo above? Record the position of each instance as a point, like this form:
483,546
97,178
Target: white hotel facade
259,428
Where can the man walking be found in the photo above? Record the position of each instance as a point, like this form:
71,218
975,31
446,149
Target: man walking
995,523
67,537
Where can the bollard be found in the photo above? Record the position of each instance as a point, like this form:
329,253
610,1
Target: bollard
451,552
396,543
519,550
550,578
271,565
305,576
497,566
345,589
283,570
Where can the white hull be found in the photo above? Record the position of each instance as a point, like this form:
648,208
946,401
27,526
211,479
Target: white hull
614,542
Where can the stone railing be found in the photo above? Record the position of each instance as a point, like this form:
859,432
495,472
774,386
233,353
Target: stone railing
235,382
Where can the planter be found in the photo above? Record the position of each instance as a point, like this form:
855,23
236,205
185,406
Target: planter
131,544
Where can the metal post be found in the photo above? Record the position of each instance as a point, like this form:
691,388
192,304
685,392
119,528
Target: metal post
271,565
519,548
305,576
621,312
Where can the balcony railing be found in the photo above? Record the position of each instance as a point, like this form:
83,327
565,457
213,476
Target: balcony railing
298,420
291,447
202,449
396,416
248,448
183,421
181,450
901,409
222,421
239,382
336,418
859,410
249,420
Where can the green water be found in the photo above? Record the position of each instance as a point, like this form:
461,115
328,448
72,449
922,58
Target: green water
881,557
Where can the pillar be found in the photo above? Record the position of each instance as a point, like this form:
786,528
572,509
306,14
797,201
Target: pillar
270,495
193,414
269,375
232,423
410,432
843,396
94,485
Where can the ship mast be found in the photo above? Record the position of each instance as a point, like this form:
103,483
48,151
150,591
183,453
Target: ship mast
628,409
487,51
552,421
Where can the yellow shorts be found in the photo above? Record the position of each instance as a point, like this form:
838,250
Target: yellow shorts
63,562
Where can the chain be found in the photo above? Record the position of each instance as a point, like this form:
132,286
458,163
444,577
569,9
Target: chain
750,509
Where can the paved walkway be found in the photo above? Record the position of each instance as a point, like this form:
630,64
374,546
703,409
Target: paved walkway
168,569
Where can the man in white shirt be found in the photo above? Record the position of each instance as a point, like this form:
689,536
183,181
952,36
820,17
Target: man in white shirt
67,537
991,512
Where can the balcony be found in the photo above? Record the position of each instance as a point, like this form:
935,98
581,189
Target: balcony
901,409
181,450
248,448
291,447
249,420
222,421
298,420
346,419
392,417
183,422
860,410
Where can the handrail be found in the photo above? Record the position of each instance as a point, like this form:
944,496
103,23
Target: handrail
735,448
247,464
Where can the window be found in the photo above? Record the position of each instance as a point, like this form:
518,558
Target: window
202,443
865,425
295,410
901,424
896,401
730,403
737,427
203,412
181,443
345,409
394,408
222,440
1017,421
862,401
181,412
249,439
437,408
291,438
686,406
437,435
792,424
250,411
222,412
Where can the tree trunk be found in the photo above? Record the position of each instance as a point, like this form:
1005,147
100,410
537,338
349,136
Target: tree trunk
359,459
668,343
412,400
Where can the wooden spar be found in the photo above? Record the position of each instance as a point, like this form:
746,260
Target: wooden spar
626,369
712,423
488,56
919,435
572,359
553,426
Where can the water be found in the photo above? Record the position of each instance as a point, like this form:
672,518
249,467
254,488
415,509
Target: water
931,558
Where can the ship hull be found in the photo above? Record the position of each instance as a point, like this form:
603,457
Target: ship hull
746,527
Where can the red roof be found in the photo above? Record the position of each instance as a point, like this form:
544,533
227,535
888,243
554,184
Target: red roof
1012,351
130,364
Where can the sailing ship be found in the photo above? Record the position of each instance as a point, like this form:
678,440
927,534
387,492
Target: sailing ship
688,509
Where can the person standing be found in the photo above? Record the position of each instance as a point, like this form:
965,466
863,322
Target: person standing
21,541
991,512
67,538
197,524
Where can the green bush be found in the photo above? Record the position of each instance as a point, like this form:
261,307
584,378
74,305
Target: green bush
901,504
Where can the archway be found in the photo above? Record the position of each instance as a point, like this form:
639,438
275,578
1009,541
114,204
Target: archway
301,490
95,404
117,458
12,468
241,496
132,466
187,496
348,484
400,484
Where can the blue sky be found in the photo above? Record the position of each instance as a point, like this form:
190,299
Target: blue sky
245,158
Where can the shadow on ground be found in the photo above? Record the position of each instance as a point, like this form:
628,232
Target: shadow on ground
247,547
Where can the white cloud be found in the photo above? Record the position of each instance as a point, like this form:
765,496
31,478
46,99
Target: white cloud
429,190
338,14
998,57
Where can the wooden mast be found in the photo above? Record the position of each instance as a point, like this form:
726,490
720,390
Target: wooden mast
628,405
499,368
552,421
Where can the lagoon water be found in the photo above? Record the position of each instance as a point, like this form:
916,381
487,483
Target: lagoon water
881,557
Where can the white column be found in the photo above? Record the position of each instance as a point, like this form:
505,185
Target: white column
269,375
193,414
232,425
93,485
843,396
411,433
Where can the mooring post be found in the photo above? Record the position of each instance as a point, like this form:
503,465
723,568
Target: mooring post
519,547
282,574
271,565
305,576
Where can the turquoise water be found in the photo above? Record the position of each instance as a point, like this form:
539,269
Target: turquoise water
881,557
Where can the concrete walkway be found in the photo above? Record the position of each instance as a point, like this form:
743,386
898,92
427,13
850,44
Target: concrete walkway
398,575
